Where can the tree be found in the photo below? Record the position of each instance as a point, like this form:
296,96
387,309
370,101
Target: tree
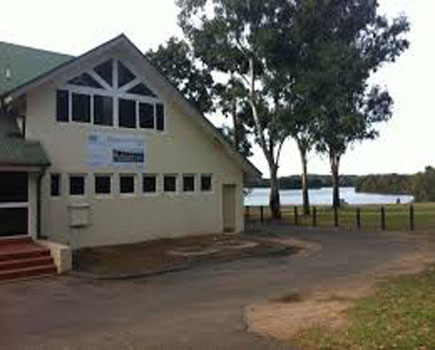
232,36
423,187
344,42
176,62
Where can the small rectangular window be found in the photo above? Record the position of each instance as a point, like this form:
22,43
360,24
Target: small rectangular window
126,184
188,183
103,184
127,113
81,108
206,183
55,185
170,183
77,185
103,110
62,106
146,115
149,184
160,114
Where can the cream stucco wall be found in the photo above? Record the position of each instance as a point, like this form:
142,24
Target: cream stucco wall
183,148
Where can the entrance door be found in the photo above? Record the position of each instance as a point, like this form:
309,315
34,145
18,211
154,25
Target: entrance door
229,207
14,204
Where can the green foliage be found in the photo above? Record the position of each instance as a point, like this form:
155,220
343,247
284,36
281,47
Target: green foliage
423,187
176,62
294,182
388,184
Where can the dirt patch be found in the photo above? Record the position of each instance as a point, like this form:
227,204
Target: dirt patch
165,255
284,317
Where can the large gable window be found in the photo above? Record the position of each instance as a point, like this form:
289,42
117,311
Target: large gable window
127,113
103,110
110,94
81,108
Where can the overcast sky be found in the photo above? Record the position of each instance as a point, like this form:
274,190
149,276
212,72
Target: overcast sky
406,144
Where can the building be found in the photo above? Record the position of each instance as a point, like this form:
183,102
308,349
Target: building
100,149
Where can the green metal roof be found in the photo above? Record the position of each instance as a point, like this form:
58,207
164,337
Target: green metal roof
20,64
15,150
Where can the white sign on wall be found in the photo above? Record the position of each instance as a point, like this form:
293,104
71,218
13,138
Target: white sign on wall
107,150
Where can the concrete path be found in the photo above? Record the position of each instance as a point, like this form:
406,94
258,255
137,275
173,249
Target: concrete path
196,309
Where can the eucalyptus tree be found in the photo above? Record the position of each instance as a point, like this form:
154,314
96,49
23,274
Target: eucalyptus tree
232,37
176,62
345,42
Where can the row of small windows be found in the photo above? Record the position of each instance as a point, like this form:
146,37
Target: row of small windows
127,184
99,109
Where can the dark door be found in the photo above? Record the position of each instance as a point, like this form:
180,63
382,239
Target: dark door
14,200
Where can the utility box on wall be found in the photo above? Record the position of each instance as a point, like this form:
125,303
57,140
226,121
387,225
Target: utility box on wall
79,215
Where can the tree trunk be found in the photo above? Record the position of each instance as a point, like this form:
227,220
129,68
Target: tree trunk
237,138
274,200
304,177
335,164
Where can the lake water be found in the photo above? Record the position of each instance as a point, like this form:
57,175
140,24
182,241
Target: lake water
323,196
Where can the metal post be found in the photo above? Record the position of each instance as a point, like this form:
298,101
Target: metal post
383,225
296,216
358,218
314,217
411,218
261,213
335,217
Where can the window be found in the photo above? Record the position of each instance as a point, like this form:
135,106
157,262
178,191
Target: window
104,70
127,113
77,185
188,183
141,89
206,185
81,108
55,185
62,106
149,184
126,184
85,79
146,115
103,110
160,114
170,183
103,184
124,75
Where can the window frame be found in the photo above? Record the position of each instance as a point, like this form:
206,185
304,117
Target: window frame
184,176
105,195
176,184
90,116
211,183
156,184
84,185
127,194
59,185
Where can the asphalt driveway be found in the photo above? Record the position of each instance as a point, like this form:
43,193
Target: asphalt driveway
195,309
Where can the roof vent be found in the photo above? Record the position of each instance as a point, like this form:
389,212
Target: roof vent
8,74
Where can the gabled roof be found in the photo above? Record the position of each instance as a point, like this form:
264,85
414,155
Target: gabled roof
20,64
15,150
165,87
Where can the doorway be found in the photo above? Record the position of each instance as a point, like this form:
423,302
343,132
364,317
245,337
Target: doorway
14,204
229,207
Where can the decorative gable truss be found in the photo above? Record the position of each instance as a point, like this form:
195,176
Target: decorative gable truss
110,94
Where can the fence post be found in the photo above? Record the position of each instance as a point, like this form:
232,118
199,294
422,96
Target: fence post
411,218
261,213
314,217
296,216
383,226
358,218
335,217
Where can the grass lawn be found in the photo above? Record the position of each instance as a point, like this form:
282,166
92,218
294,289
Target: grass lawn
400,315
397,216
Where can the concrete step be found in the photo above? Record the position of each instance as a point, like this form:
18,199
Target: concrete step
34,271
15,240
22,251
24,263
